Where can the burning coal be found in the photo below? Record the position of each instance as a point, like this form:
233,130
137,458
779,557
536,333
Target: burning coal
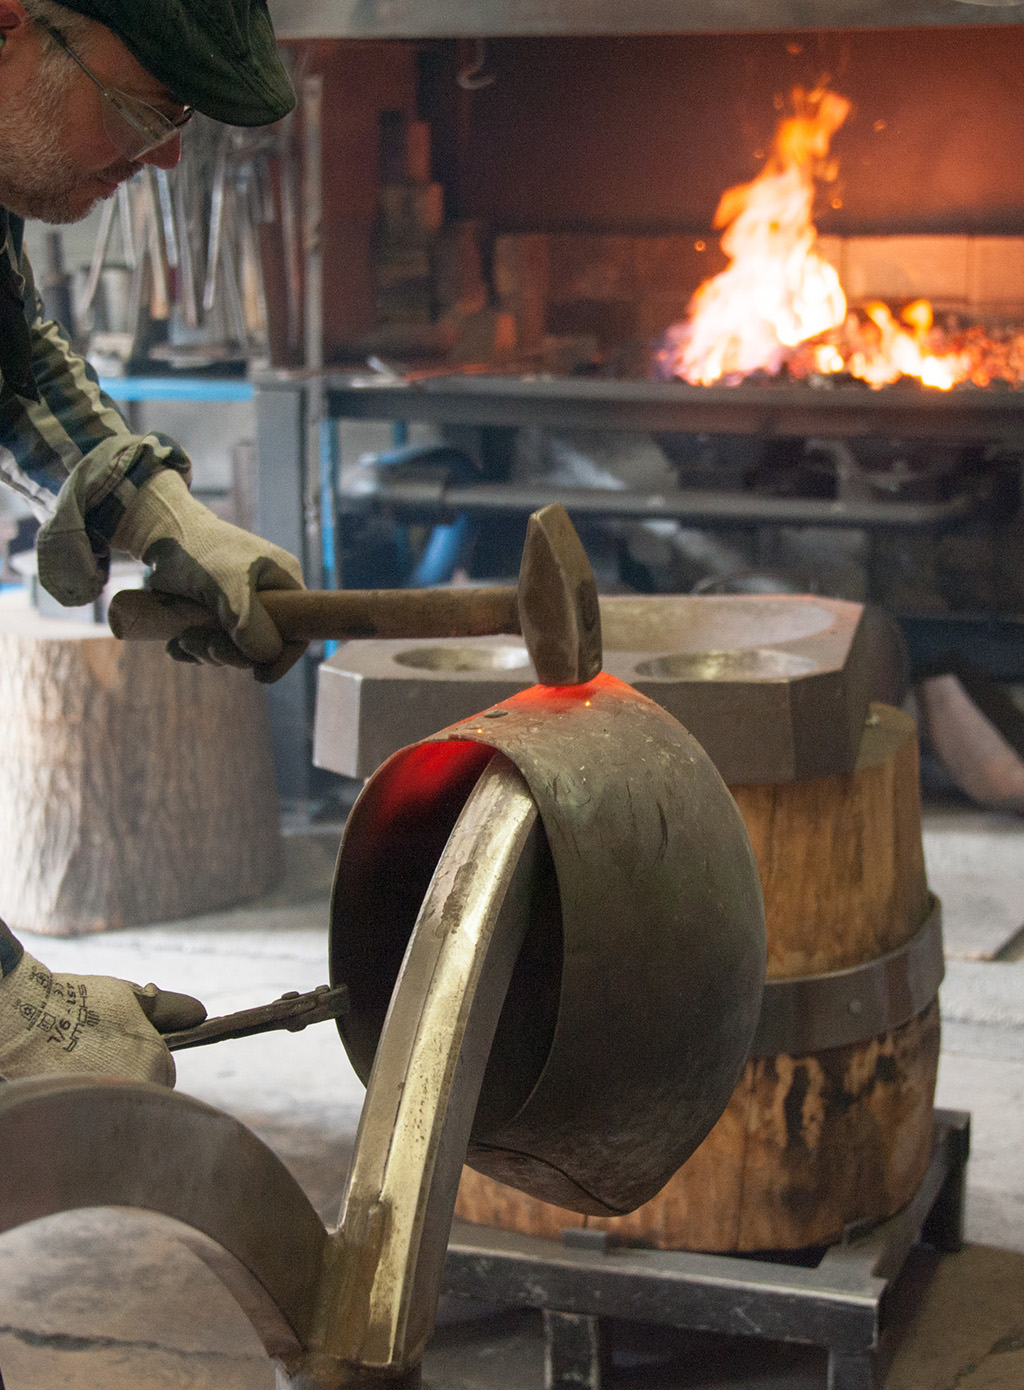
779,304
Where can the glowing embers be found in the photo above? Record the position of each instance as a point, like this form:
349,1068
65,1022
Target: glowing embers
780,305
877,346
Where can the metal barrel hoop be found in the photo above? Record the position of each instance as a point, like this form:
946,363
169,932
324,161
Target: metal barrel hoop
812,1013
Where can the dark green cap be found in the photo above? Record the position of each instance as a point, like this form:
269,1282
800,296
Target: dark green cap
219,56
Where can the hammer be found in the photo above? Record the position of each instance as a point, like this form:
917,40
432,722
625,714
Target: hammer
554,607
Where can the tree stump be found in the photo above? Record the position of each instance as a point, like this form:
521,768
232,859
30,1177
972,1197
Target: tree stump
133,788
807,1145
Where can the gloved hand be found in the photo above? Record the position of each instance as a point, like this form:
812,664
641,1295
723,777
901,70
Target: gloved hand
196,555
88,1024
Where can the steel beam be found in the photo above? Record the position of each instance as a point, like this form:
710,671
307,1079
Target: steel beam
391,19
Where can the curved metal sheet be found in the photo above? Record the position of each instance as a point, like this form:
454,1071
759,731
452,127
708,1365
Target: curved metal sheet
142,1146
638,988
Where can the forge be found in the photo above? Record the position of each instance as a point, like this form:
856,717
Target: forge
519,208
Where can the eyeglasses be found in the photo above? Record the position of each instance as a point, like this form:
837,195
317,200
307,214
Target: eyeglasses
134,127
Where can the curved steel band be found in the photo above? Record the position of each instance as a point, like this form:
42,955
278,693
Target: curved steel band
812,1013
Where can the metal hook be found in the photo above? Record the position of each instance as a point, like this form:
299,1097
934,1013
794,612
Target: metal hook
472,77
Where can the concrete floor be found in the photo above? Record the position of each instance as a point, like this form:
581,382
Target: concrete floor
102,1300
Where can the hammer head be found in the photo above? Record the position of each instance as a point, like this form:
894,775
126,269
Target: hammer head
558,610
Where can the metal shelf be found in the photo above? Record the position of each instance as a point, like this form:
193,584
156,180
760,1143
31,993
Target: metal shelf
797,410
169,388
420,19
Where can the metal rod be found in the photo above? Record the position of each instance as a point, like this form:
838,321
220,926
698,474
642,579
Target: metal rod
318,497
693,507
382,1274
99,254
216,227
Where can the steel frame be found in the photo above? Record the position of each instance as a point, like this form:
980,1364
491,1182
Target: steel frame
840,1305
303,19
287,511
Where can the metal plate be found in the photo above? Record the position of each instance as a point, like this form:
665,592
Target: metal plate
636,994
775,688
85,1141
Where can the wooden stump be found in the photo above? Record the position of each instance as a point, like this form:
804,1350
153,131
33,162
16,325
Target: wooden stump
807,1145
133,788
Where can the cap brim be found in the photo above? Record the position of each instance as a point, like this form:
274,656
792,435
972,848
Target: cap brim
226,66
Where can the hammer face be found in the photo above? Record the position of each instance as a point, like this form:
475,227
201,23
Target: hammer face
558,609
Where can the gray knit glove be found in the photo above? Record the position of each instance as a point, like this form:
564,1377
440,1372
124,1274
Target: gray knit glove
194,554
87,1024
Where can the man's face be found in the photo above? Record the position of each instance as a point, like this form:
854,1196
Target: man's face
56,158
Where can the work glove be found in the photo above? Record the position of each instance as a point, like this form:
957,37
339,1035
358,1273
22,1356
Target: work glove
88,1025
195,555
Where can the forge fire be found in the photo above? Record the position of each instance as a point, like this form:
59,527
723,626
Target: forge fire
779,306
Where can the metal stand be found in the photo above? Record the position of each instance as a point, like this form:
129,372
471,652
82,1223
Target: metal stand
840,1304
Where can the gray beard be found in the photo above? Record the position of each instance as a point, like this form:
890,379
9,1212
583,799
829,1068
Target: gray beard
37,179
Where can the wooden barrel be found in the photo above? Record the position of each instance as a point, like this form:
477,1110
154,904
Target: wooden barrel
812,1141
133,788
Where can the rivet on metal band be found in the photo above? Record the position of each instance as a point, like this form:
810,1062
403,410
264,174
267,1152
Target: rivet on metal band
811,1013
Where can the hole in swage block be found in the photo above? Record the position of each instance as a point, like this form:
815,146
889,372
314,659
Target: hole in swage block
668,624
753,664
465,658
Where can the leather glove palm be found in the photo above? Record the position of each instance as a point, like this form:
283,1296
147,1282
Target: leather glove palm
87,1024
196,555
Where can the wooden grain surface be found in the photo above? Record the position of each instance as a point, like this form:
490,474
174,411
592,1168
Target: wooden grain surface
806,1145
133,788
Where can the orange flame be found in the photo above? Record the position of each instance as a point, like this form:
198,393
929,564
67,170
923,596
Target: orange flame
779,302
777,290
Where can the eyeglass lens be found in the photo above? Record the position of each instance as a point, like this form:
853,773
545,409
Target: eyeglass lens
135,127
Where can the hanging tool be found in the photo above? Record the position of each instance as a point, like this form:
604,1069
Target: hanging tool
216,225
189,294
124,209
99,255
167,215
159,304
554,607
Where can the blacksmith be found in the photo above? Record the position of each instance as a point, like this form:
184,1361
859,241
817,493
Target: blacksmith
90,91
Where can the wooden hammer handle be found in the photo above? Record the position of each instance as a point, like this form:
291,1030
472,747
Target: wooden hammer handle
304,615
554,608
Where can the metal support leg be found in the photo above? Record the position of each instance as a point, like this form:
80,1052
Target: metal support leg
330,1375
852,1372
842,1297
944,1227
573,1351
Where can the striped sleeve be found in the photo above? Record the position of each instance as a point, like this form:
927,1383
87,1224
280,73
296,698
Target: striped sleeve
72,455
